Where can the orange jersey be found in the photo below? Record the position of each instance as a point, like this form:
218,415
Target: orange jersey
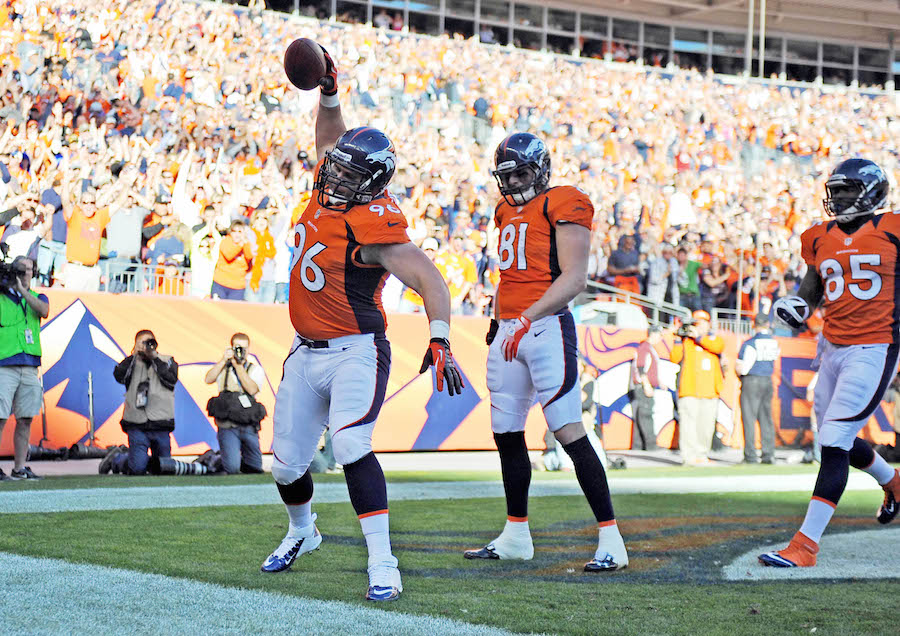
527,250
332,293
859,274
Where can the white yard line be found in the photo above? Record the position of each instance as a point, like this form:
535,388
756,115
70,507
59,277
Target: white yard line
248,495
56,597
866,554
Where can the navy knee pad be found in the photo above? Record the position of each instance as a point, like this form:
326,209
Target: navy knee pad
833,473
297,492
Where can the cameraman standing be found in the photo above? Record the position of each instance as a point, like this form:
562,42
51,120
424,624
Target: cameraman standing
149,416
699,386
235,409
21,311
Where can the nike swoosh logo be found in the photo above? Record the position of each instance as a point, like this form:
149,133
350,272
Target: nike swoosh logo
393,224
537,333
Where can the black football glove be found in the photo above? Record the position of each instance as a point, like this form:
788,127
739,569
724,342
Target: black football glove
439,356
329,82
492,332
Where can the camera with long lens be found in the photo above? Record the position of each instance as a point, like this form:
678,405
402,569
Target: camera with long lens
8,273
684,330
239,353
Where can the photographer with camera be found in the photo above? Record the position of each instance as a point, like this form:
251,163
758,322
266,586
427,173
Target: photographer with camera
21,312
149,416
700,383
235,409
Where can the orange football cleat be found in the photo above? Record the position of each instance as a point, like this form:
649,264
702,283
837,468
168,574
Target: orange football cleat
891,504
800,553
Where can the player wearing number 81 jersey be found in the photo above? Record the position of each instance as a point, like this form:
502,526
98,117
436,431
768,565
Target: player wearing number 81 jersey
853,264
544,245
348,239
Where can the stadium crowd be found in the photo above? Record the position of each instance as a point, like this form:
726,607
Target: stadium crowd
162,137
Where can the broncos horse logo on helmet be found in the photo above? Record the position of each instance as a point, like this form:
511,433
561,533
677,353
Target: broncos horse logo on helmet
856,188
521,167
357,170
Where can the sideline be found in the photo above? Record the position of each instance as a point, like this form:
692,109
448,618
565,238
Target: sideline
113,601
848,555
28,501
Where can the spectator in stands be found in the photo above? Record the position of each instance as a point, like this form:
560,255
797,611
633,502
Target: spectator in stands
714,288
624,266
662,274
699,386
688,280
235,260
756,365
205,244
458,269
261,288
149,413
642,387
237,413
20,356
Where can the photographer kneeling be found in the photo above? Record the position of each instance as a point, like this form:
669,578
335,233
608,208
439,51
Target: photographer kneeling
235,409
21,311
149,415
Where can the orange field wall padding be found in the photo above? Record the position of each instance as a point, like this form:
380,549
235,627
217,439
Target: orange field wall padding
88,334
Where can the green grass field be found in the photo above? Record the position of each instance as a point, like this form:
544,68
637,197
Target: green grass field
677,546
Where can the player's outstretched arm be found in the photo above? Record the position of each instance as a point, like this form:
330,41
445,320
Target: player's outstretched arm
329,120
573,247
408,263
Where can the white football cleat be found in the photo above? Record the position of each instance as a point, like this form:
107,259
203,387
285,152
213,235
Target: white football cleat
610,555
384,581
292,546
507,546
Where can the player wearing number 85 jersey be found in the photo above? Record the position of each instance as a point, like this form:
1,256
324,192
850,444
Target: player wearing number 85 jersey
853,263
545,236
349,238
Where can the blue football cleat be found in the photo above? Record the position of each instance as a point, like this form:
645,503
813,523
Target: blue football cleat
291,547
384,581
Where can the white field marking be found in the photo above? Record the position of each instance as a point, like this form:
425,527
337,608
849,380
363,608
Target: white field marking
864,554
56,597
248,495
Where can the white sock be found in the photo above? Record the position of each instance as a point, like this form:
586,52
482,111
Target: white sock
300,516
515,529
376,530
817,517
609,530
880,470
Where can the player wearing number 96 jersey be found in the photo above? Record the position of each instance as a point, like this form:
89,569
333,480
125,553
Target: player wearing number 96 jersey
545,235
853,263
348,239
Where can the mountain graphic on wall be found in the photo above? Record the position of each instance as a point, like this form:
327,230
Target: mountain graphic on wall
74,344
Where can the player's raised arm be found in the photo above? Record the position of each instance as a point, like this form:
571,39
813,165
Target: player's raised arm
329,121
409,264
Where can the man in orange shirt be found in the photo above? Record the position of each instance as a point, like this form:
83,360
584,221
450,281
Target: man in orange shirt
699,385
235,260
86,223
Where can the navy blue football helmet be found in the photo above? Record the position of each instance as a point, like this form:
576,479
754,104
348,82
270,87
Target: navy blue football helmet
856,188
518,153
357,170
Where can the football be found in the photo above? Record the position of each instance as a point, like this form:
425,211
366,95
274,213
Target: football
304,63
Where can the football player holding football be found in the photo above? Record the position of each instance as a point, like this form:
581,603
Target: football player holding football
545,236
350,237
853,261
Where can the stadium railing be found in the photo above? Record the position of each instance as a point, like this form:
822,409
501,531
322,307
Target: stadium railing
126,277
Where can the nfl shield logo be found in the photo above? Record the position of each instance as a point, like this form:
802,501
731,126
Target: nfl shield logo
847,241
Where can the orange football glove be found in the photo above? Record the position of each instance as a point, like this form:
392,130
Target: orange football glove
514,334
329,82
439,356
